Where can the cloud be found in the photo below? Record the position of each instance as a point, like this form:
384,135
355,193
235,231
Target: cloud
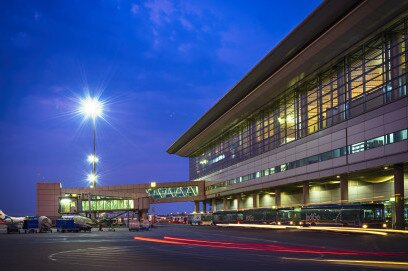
156,39
177,26
57,103
134,8
186,24
160,11
184,47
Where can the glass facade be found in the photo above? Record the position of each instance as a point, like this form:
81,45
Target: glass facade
68,205
172,192
108,205
339,152
72,204
369,77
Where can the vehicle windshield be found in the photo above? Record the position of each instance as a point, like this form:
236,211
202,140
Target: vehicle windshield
373,214
288,214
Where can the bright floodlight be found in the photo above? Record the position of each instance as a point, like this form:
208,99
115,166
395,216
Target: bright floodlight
92,178
91,107
92,159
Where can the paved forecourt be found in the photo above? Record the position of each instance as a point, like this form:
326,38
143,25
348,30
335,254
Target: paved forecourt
185,247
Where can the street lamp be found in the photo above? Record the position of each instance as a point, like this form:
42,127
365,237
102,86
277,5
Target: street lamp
92,108
92,159
92,178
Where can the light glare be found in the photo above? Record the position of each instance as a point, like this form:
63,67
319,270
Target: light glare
92,178
91,107
92,159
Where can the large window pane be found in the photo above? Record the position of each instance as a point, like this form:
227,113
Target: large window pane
312,111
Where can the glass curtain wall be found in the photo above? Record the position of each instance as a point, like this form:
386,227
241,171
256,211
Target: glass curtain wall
366,79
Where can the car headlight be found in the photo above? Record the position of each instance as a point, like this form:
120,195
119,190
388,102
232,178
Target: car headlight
384,225
279,223
300,223
291,222
365,226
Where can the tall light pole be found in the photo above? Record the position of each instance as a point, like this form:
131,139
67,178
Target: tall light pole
92,108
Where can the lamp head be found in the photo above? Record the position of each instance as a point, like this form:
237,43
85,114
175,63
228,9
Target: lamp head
91,107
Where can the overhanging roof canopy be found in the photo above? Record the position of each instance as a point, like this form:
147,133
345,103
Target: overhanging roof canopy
333,27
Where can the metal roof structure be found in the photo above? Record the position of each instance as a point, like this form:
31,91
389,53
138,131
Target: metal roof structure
331,29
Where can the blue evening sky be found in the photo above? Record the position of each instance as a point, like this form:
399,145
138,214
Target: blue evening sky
161,65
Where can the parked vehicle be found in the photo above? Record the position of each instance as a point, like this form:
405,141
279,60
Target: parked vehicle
352,215
260,216
227,217
288,216
14,228
31,225
44,224
136,225
70,225
199,219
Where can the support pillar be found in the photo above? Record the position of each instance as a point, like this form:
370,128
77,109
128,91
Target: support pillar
255,200
305,194
277,198
224,204
204,206
238,202
196,207
399,222
213,205
343,189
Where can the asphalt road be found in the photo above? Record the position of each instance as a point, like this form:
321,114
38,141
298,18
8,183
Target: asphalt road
183,247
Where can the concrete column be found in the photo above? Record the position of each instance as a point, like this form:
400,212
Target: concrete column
305,195
343,189
277,198
213,205
238,202
224,204
204,206
196,207
255,200
399,222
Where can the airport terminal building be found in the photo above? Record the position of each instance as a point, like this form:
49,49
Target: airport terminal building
322,118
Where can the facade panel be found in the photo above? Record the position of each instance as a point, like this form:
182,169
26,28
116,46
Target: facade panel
366,79
329,126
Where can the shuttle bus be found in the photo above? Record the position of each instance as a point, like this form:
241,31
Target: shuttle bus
351,215
199,219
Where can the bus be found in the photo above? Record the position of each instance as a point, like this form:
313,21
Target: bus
253,216
199,219
352,215
288,216
260,216
227,217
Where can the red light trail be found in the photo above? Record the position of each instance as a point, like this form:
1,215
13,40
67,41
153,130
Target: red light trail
258,246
